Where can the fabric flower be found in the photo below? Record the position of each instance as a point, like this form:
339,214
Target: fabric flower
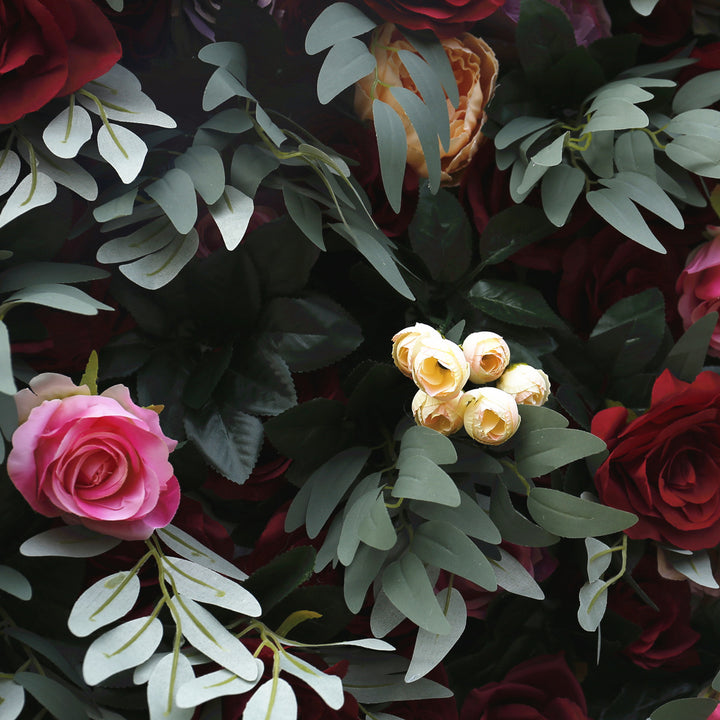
50,48
96,460
475,68
491,415
528,385
664,466
488,355
405,341
444,416
438,366
699,287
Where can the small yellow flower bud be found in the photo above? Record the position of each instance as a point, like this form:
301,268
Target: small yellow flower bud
445,416
491,415
528,385
488,355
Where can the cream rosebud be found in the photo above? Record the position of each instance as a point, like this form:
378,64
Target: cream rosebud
488,355
445,416
404,341
491,415
438,366
528,385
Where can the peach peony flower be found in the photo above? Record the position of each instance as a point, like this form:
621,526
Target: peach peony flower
439,367
491,415
528,385
444,416
404,342
488,355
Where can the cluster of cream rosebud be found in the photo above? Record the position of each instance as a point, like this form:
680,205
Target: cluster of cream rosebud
440,369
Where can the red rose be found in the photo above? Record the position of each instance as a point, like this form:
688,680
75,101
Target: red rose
50,48
446,17
668,23
665,465
666,638
543,688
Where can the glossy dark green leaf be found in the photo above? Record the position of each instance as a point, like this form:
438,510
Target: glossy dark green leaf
510,230
687,357
513,303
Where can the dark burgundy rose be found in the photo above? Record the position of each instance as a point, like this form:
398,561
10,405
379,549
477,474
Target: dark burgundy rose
543,688
669,22
267,477
447,18
50,48
666,639
664,466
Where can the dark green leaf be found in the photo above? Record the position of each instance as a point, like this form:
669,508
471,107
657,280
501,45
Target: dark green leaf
513,303
205,377
58,700
305,214
250,165
511,230
687,357
686,708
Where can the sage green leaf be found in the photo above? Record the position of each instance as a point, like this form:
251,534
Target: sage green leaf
599,558
206,634
222,86
7,381
599,153
593,598
32,273
328,687
513,303
699,123
697,154
9,170
376,529
419,478
358,506
232,213
232,120
193,550
647,193
519,128
329,483
14,583
60,702
616,208
539,418
370,681
104,602
687,357
551,154
560,188
12,698
468,517
431,648
634,152
73,541
125,646
407,586
418,440
273,132
573,517
214,685
167,677
679,182
337,22
384,616
430,89
66,133
533,172
122,149
157,269
347,62
328,552
199,583
427,44
204,166
686,708
422,121
616,115
145,240
305,214
699,92
49,649
625,90
515,527
250,165
640,71
695,567
230,55
512,576
297,512
175,194
392,148
121,206
69,174
643,7
273,700
360,574
28,195
544,450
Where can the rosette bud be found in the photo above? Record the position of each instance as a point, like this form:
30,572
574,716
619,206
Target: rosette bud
488,355
528,385
491,415
444,416
404,341
438,366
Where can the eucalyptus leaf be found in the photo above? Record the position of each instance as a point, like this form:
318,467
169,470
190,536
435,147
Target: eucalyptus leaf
73,541
204,166
30,193
337,22
551,154
167,677
561,186
699,123
695,567
419,478
360,574
685,708
229,55
384,616
514,526
376,529
593,598
12,698
9,170
700,91
687,357
599,558
697,154
7,381
428,45
232,213
518,128
513,577
157,269
250,165
643,7
60,297
328,687
305,214
15,583
273,700
418,440
52,695
348,61
222,86
31,273
358,506
67,132
392,147
599,153
634,152
213,685
122,149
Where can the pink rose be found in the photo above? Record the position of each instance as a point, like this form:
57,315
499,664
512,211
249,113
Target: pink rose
96,460
699,286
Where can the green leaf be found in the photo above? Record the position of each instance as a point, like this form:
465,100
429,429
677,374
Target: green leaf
222,86
230,55
699,123
519,128
430,89
272,131
510,230
125,646
442,545
551,154
157,269
205,376
329,483
360,574
60,297
228,439
73,541
15,583
122,149
697,154
67,132
376,529
12,698
220,683
687,357
599,153
337,22
359,505
428,45
408,588
696,567
328,687
698,92
614,206
420,118
347,62
392,148
545,450
167,677
598,558
616,115
512,576
592,593
27,196
232,120
634,152
147,239
685,708
305,214
419,478
104,602
515,527
273,700
7,381
573,517
205,168
431,648
468,517
643,7
52,695
9,170
514,303
232,213
560,188
250,165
